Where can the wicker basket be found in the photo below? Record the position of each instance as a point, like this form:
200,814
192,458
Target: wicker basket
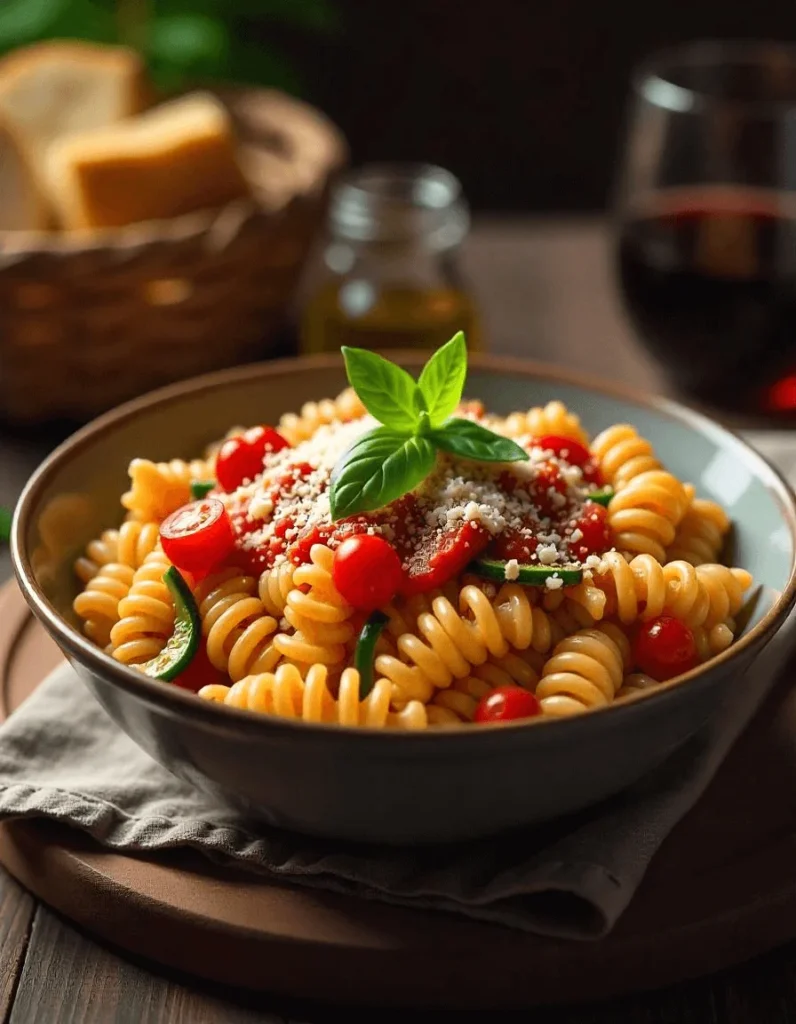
87,322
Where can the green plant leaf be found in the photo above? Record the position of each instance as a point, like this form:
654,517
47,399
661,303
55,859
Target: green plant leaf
386,390
442,379
28,21
379,467
22,21
469,440
189,43
6,516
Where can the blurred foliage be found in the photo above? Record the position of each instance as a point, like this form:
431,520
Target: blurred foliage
183,41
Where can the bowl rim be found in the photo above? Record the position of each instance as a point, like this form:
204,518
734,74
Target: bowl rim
175,700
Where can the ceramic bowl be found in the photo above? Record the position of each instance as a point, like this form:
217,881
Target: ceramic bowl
394,787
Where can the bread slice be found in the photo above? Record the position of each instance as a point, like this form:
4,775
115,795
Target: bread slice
22,207
174,159
50,90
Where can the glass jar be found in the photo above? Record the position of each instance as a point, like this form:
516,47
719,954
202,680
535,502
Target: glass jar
389,275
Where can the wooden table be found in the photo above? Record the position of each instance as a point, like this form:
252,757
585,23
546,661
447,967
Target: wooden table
547,293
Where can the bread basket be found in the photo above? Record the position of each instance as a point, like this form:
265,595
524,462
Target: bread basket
88,321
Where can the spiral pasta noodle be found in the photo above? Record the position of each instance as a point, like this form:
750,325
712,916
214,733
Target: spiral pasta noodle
146,613
318,617
237,627
708,595
623,455
451,640
159,488
101,551
585,671
644,514
98,604
285,694
539,421
274,586
296,428
701,533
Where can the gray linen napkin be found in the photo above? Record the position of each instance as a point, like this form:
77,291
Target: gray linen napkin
62,758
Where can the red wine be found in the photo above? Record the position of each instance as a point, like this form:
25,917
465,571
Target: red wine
709,281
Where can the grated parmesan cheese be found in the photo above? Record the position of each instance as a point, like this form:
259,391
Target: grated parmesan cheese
512,570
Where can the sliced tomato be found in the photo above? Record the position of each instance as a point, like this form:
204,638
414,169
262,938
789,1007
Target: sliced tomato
437,558
513,544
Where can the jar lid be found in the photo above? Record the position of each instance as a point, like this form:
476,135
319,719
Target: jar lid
400,203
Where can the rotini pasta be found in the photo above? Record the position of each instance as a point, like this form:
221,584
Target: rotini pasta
644,513
701,533
238,630
145,613
284,693
297,428
541,421
623,455
486,579
158,488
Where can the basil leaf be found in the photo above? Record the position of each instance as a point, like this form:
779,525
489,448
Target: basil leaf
379,467
442,380
470,440
6,515
386,390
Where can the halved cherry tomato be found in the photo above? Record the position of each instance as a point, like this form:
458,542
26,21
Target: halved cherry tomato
665,647
434,560
593,524
507,703
241,458
367,571
197,536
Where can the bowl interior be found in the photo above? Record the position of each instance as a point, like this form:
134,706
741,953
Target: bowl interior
79,495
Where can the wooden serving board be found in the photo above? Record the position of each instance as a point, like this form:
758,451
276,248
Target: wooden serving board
722,889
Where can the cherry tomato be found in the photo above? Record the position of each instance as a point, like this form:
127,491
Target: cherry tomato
564,448
197,536
434,560
367,571
241,458
507,703
665,647
593,524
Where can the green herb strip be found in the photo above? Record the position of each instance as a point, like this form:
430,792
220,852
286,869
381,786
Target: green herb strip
183,643
365,650
201,488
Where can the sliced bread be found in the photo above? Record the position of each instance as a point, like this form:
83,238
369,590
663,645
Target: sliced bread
174,159
22,207
50,90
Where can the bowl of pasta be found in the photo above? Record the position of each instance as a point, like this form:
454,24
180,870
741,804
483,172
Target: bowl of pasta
449,602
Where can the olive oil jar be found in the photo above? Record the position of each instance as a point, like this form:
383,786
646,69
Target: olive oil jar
388,274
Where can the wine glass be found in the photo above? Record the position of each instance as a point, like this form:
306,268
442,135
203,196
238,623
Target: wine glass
706,209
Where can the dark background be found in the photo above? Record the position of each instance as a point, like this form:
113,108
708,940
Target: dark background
523,100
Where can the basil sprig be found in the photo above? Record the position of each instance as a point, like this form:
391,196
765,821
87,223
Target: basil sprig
390,460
